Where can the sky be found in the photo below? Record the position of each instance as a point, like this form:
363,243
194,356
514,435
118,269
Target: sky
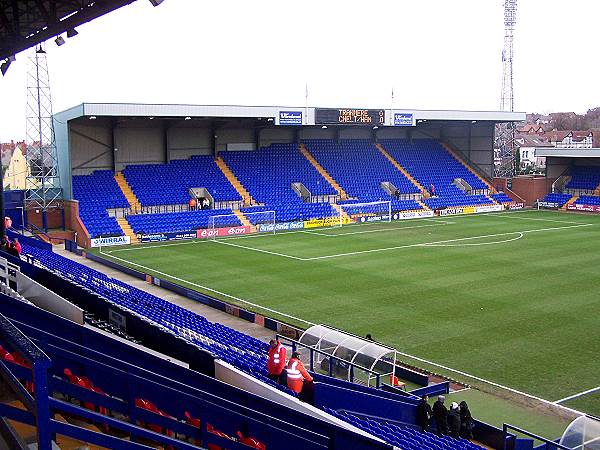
435,54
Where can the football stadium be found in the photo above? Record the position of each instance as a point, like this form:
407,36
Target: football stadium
184,276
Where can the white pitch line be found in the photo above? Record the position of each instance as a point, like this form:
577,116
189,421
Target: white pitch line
378,230
258,250
194,241
537,218
579,394
425,244
237,299
491,383
504,241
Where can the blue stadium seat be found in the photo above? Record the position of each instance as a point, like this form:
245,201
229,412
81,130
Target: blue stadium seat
168,184
584,177
97,193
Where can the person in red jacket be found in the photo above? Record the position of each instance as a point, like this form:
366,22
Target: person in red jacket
17,246
297,375
276,361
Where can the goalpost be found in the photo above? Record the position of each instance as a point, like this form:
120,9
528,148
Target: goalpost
380,211
259,222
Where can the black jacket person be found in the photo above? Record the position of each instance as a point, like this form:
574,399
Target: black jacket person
454,421
424,414
440,414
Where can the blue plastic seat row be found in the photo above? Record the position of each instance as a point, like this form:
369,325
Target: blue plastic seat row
243,351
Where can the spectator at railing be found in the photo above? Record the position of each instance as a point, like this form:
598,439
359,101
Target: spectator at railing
276,361
298,378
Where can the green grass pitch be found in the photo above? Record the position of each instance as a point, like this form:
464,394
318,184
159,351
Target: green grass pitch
513,297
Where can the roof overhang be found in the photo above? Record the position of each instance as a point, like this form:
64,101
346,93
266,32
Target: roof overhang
568,152
26,24
306,115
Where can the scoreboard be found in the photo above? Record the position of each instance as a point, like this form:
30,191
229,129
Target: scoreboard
349,116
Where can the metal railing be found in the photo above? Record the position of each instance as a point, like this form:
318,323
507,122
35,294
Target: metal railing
294,344
509,436
41,407
38,408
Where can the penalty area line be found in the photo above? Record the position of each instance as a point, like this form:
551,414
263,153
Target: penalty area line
216,241
579,394
380,230
237,299
434,243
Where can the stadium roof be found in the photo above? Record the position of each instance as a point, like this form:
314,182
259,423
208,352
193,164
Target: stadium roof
24,24
307,115
568,152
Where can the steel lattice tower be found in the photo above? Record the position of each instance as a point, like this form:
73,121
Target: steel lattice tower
43,183
505,133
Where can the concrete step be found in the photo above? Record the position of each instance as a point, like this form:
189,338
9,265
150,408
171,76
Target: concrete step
334,184
405,172
469,168
247,198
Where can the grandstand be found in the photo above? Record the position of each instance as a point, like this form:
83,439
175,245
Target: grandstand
301,171
88,360
278,178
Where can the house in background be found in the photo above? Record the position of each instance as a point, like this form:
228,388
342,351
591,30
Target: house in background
526,145
14,165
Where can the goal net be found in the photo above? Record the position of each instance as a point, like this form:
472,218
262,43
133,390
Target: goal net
241,223
365,212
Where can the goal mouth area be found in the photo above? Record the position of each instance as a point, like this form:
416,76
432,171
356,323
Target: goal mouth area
380,211
240,223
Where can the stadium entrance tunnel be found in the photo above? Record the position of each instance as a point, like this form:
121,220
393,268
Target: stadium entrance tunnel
347,356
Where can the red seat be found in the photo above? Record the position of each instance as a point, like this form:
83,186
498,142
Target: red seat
149,406
195,422
251,442
85,382
16,358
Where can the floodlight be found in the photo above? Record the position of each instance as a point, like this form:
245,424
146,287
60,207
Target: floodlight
92,117
188,118
324,127
72,33
375,127
59,40
156,2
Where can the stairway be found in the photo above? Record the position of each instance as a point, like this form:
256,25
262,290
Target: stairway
572,200
334,184
345,217
492,201
423,205
127,230
469,168
134,203
244,220
397,165
247,198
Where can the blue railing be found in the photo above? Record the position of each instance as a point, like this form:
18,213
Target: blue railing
510,439
38,409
